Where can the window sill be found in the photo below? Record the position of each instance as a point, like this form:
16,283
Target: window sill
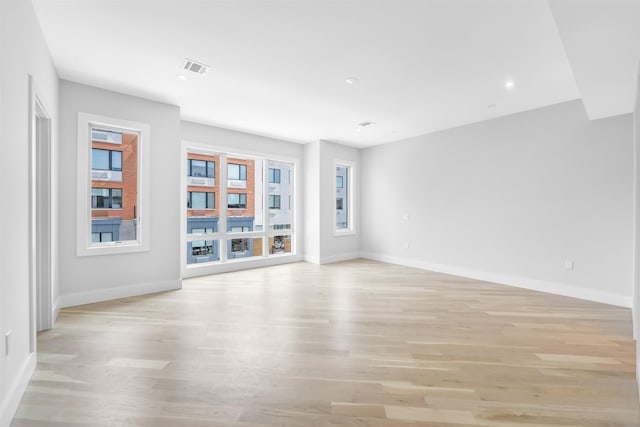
344,233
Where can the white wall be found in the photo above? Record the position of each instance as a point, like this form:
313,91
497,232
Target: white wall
244,143
24,53
93,278
509,200
636,252
312,202
342,247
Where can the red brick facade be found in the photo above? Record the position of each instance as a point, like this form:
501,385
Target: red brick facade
129,183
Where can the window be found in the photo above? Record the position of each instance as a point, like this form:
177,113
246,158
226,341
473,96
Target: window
201,230
274,176
344,197
257,221
239,245
200,200
106,159
111,203
106,198
237,172
200,168
202,247
237,201
274,201
102,237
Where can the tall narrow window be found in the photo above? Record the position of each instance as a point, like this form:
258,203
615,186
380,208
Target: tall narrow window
344,197
113,195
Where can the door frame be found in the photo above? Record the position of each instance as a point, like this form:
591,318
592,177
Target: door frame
40,200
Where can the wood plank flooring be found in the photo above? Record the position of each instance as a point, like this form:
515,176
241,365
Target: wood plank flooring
357,343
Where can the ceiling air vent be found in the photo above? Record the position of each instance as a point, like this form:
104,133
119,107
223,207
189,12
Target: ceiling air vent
365,124
195,67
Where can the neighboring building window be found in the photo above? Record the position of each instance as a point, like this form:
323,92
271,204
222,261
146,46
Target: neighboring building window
237,200
241,229
274,201
239,245
200,168
237,172
282,226
344,197
101,237
106,198
274,176
202,247
200,200
201,230
106,159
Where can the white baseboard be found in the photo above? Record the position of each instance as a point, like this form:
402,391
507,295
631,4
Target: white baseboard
312,259
556,288
11,401
56,311
338,258
88,297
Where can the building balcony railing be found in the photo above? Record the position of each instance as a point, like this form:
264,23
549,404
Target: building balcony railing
106,175
201,181
237,183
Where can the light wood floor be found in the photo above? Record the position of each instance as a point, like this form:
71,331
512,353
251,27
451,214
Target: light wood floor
358,343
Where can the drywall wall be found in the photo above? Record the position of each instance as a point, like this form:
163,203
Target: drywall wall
312,202
24,53
246,144
510,200
336,247
94,278
636,214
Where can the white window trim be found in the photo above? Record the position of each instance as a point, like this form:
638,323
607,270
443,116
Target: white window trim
229,264
84,247
349,203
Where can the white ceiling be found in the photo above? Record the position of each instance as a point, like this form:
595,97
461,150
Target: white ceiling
279,66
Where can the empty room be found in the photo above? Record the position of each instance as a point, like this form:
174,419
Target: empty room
386,213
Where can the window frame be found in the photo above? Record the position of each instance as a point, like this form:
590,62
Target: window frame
226,261
240,168
239,201
272,176
206,168
206,200
84,246
273,197
110,154
348,199
110,197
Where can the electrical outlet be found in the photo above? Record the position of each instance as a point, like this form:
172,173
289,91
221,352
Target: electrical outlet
405,217
6,343
568,265
406,245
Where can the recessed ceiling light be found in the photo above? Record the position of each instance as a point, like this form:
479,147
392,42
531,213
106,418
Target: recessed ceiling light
509,84
351,80
181,77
